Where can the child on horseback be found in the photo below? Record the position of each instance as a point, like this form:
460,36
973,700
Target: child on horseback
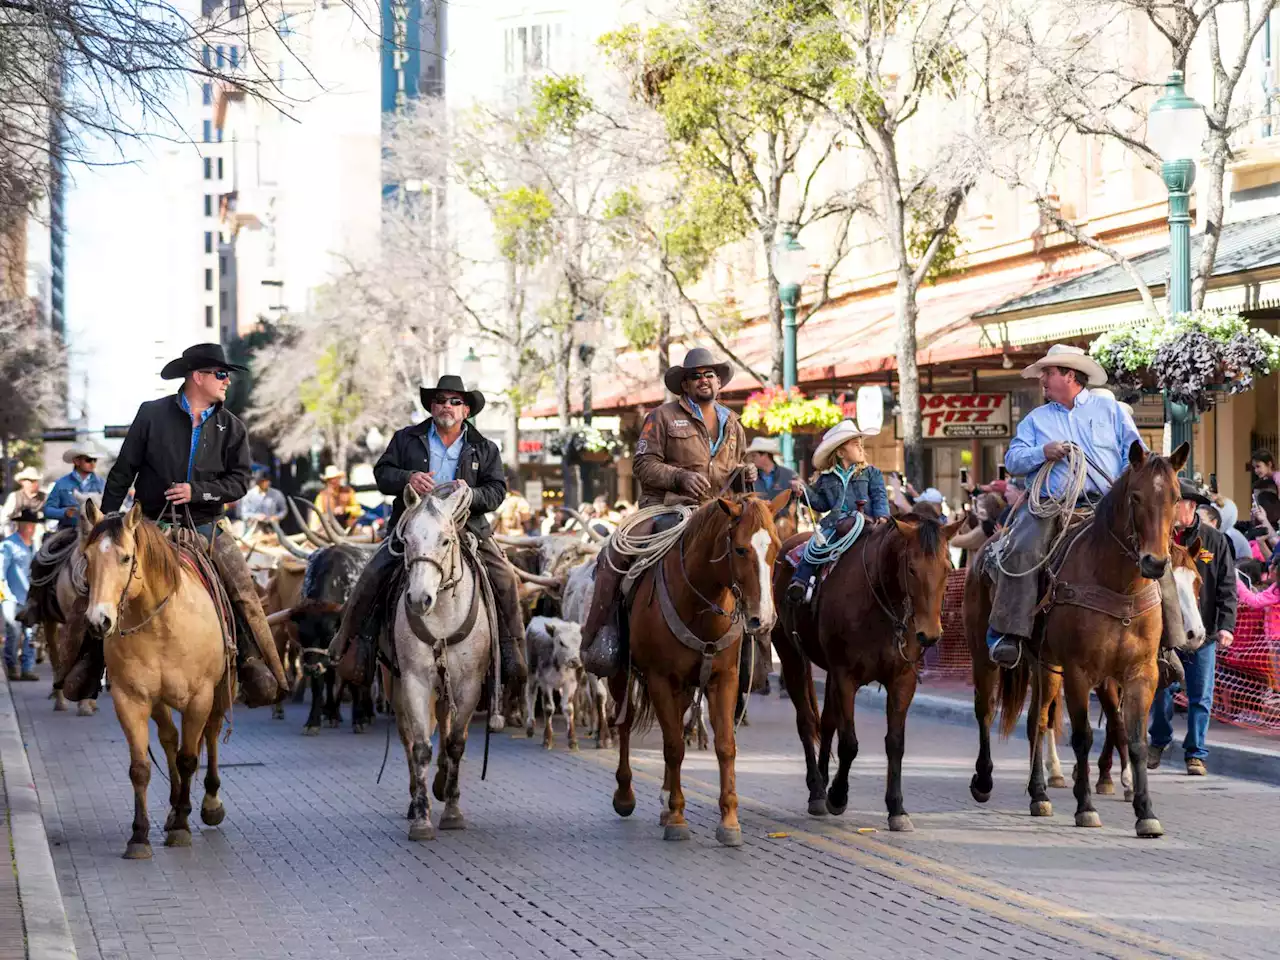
846,485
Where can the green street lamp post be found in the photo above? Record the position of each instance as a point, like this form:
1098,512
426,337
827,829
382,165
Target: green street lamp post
1175,131
789,269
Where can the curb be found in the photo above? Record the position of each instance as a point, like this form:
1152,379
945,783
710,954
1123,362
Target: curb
43,914
1225,759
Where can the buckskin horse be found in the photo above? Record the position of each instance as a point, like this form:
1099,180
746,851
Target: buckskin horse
689,614
165,650
879,608
1101,621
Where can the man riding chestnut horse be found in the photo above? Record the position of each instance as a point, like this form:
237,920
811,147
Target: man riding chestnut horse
1073,422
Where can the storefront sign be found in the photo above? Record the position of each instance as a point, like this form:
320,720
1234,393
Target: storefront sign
964,416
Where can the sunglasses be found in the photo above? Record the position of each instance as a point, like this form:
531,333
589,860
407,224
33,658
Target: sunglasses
448,402
702,375
219,374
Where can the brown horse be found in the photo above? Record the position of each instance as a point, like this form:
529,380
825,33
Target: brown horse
877,612
687,621
165,650
1123,548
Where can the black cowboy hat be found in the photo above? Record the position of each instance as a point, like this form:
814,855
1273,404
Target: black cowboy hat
1189,491
452,384
25,515
203,356
695,358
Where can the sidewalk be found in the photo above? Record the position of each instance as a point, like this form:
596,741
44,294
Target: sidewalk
33,923
1233,751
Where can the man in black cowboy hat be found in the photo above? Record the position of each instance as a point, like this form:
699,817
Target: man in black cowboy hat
440,449
687,452
190,457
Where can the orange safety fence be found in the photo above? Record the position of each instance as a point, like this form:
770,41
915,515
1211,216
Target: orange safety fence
1246,685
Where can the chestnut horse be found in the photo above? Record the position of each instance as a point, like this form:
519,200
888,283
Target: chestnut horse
1124,547
877,612
689,614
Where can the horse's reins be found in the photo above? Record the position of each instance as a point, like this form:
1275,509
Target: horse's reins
899,622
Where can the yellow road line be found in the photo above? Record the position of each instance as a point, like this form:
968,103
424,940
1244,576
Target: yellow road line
942,880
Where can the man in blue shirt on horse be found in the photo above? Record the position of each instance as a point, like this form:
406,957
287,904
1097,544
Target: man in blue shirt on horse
62,504
1101,428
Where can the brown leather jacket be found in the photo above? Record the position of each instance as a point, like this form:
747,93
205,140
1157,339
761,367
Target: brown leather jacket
673,441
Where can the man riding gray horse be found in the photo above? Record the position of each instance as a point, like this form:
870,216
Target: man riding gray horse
1101,429
443,448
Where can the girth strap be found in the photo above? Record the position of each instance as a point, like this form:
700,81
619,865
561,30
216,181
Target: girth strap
1122,606
708,648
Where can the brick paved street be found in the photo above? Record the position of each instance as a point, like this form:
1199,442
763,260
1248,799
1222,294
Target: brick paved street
312,860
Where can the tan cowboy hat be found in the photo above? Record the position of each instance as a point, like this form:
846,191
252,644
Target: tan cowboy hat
71,455
1062,355
769,445
695,358
833,440
29,473
330,472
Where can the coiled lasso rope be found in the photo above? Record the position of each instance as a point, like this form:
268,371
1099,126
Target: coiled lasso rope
1046,505
646,549
818,550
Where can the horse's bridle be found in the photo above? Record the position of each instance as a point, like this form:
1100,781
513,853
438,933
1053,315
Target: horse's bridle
450,577
124,600
900,622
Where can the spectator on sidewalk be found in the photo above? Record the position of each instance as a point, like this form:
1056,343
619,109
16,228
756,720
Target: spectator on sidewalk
15,579
1264,467
62,504
263,503
1230,515
28,496
1218,610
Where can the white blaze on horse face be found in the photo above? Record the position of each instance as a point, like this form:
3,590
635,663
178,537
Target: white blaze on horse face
1190,605
105,545
760,541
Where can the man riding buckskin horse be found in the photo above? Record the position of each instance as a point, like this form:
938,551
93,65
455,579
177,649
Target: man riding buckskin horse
190,456
1104,431
679,460
426,455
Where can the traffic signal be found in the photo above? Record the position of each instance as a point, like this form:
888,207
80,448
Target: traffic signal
59,433
116,432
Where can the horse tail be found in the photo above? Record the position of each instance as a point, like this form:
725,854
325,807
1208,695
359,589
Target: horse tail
641,709
1015,682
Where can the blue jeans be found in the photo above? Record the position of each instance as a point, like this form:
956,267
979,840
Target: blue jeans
1199,688
15,635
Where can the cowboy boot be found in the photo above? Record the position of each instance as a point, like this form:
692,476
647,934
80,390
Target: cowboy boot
84,680
601,643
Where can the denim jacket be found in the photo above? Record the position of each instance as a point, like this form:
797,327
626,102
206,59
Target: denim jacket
838,493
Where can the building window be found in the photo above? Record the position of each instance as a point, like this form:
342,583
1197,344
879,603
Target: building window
206,130
222,56
208,168
204,55
208,279
208,241
237,10
208,205
222,266
235,56
206,94
219,134
531,49
208,317
219,168
222,300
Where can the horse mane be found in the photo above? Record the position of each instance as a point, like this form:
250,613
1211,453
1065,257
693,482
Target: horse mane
154,551
710,520
928,531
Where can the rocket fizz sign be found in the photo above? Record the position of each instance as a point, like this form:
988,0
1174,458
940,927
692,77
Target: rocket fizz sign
965,416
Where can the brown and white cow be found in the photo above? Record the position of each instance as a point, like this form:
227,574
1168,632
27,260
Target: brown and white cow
553,647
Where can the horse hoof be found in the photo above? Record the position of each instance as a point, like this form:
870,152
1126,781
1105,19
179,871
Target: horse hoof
213,814
573,746
663,817
311,731
982,796
60,704
548,744
497,723
1105,788
358,728
1128,795
1041,808
453,822
169,821
1150,828
624,806
1058,783
137,851
901,823
818,807
84,709
178,838
729,836
835,809
676,831
421,831
1088,818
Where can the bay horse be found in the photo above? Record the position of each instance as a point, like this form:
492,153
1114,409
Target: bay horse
1114,559
877,611
444,642
689,614
165,651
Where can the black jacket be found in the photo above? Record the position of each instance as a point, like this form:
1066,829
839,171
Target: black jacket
479,465
156,452
1217,576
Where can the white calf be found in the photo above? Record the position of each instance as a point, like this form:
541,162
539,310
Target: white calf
553,647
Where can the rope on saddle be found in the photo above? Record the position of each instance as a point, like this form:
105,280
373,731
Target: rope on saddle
819,550
1046,505
646,549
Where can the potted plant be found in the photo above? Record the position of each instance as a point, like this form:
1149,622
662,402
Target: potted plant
776,410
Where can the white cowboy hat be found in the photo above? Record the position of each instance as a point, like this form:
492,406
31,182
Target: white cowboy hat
330,472
833,440
769,445
70,455
1062,355
931,495
29,473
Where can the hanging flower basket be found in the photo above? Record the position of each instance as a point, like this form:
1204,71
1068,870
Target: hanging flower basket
776,410
588,445
1192,356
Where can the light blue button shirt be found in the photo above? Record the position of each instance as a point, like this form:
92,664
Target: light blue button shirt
1097,424
444,460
